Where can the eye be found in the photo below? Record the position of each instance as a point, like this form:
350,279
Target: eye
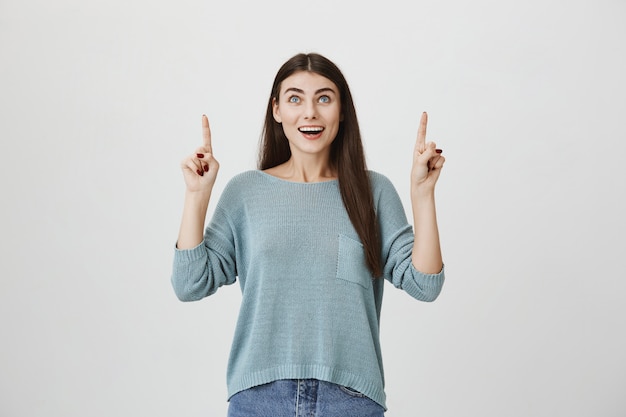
324,99
294,99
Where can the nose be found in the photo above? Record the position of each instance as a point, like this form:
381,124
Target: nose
310,110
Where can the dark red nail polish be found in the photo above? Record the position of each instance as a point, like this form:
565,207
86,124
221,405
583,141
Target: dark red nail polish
199,172
206,168
438,150
200,155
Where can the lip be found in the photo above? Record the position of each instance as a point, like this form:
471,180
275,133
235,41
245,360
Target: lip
311,127
311,136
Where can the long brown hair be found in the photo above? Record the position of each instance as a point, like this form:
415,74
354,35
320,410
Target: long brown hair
346,155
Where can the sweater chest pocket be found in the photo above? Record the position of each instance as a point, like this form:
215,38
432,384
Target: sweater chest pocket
351,264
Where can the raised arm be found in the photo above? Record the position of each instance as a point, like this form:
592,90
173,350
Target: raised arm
199,171
427,164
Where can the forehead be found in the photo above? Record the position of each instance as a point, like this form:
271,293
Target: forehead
309,82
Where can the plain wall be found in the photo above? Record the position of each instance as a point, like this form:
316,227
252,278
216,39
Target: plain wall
100,100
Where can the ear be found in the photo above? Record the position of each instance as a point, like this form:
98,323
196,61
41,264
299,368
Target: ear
276,111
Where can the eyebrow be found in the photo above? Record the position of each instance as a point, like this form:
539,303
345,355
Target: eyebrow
300,91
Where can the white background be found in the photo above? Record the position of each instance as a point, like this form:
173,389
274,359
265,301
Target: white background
100,100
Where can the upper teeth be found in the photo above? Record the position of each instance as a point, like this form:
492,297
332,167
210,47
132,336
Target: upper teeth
311,129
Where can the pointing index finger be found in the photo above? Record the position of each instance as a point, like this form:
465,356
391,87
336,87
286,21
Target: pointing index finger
206,133
421,133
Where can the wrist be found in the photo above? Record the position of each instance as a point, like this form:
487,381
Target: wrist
198,196
197,200
422,192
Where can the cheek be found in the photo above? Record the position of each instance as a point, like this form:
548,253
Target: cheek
287,116
290,129
334,114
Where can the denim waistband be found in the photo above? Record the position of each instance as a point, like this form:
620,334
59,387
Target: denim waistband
302,398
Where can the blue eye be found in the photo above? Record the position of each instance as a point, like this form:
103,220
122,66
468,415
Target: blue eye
294,99
324,99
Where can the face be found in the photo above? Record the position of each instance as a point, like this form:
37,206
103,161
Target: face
309,108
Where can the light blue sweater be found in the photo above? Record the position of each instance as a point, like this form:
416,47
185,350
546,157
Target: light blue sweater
310,308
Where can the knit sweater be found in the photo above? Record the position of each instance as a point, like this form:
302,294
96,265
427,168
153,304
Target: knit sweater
310,306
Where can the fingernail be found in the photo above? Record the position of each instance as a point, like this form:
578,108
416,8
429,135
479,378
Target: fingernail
200,155
438,150
199,172
206,168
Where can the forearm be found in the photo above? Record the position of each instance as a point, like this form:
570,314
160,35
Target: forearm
191,231
426,255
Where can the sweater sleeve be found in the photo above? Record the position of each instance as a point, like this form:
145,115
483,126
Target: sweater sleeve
397,246
199,272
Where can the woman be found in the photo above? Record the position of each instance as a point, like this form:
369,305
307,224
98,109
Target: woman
311,236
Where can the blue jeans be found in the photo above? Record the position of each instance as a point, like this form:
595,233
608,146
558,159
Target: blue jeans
302,398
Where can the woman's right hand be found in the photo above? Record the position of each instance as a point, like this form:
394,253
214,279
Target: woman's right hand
200,168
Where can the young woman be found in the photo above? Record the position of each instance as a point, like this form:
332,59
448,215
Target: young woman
311,235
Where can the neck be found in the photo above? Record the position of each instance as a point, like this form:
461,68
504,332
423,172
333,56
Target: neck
304,170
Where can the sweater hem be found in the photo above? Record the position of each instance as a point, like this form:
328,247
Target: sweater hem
372,389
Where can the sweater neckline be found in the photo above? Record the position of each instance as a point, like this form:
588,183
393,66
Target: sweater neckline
284,181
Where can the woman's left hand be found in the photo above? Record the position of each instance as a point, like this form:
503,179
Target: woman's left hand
427,160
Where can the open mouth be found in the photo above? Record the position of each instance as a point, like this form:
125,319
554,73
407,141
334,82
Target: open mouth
311,130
